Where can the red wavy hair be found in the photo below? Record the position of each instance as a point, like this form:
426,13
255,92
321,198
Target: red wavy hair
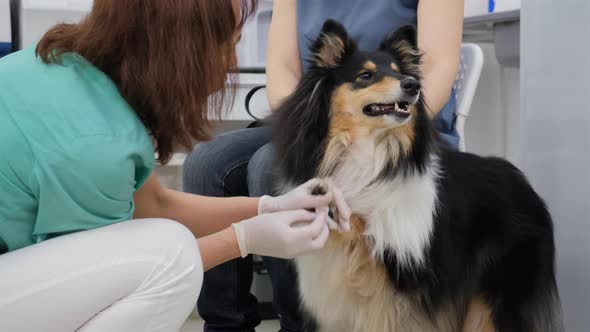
166,57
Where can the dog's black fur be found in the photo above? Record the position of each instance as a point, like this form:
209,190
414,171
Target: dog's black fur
493,235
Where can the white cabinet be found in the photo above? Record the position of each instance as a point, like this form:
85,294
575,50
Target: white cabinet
506,5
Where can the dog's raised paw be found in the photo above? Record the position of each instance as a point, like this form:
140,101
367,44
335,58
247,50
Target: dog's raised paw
322,187
319,189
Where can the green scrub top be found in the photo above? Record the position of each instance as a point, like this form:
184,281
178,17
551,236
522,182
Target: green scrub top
72,151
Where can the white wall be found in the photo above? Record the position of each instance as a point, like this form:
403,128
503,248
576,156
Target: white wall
38,16
5,32
492,126
483,130
556,133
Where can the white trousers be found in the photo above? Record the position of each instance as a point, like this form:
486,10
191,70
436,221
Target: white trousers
139,275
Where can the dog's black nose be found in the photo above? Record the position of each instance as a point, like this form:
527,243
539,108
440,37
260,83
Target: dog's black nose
410,85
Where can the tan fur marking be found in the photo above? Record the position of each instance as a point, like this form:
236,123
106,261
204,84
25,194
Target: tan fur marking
406,134
405,47
331,52
408,53
370,65
394,67
357,228
358,224
479,317
339,139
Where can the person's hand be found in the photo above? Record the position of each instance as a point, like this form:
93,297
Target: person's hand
316,194
285,234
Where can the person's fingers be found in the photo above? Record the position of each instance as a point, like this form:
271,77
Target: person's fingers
332,224
313,229
326,211
320,241
297,216
343,210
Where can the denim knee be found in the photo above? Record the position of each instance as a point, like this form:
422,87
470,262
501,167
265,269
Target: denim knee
202,169
260,172
209,164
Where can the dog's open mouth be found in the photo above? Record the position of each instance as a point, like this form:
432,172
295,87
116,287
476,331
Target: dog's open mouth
400,109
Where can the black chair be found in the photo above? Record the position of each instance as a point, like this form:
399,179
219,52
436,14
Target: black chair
15,7
258,122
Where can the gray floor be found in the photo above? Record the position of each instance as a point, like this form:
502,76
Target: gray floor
194,324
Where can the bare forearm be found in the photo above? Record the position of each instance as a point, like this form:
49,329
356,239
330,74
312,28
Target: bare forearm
437,85
207,215
440,29
202,215
283,68
280,84
218,248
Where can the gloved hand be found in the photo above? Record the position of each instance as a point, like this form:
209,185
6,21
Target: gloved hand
285,234
315,194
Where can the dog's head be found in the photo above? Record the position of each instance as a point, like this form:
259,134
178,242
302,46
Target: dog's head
371,90
349,96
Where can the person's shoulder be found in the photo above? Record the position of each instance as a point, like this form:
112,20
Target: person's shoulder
27,64
15,63
27,68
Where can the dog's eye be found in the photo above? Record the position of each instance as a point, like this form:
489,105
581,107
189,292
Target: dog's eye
367,75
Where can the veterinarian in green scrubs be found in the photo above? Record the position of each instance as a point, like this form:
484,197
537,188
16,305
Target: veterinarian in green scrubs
89,240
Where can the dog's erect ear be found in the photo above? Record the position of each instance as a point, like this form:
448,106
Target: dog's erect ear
405,36
332,46
402,44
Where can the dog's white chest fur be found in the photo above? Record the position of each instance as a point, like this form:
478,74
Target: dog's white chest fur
399,212
344,286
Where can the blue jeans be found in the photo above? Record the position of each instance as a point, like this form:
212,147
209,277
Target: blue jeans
444,122
239,164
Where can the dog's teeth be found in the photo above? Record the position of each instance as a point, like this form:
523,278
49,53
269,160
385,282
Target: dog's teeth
374,107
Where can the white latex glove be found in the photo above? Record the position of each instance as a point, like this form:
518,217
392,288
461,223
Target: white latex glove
316,194
285,234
